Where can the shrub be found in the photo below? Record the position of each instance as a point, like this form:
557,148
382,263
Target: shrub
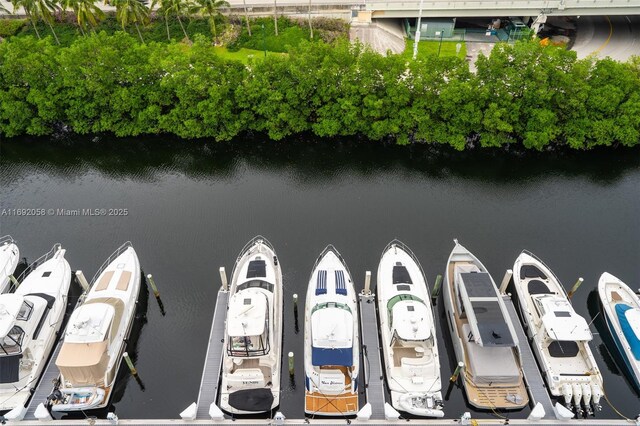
9,26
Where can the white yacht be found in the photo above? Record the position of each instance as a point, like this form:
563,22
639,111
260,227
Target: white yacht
621,308
9,258
560,337
253,338
483,336
407,328
331,340
30,319
95,337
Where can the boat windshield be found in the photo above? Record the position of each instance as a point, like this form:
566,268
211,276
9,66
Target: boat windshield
246,346
11,344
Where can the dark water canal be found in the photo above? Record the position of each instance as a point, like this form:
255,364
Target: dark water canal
191,206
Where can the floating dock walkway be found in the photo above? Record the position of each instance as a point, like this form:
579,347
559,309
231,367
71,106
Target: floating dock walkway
373,376
45,386
213,362
535,383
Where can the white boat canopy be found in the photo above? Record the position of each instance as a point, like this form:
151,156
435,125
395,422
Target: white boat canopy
90,323
409,317
329,322
247,314
561,321
489,323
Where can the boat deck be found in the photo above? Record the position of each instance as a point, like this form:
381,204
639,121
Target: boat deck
45,386
535,383
213,361
373,374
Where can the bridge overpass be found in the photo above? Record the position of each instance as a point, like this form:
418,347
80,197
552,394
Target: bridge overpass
496,8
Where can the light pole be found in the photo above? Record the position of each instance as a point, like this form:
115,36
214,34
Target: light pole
417,40
264,42
440,45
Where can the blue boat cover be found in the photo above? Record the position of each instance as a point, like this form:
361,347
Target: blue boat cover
629,334
328,356
341,287
321,284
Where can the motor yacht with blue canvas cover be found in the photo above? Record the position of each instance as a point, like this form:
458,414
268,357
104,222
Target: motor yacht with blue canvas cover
408,332
95,337
331,339
30,319
253,338
621,308
483,336
9,258
559,336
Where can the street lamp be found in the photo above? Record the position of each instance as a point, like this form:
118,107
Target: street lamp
264,42
417,40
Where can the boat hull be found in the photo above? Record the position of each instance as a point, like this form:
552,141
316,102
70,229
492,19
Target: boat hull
576,378
412,367
255,388
606,286
9,258
108,286
54,287
331,324
487,397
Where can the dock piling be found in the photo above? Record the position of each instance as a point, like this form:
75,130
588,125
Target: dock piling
132,367
152,283
82,280
505,281
291,364
14,281
156,293
575,287
436,287
133,370
295,314
223,278
367,284
456,373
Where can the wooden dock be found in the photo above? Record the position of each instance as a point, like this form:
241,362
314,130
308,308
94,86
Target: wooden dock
213,361
373,375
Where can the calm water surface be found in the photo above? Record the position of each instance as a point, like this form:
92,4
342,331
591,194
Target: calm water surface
192,206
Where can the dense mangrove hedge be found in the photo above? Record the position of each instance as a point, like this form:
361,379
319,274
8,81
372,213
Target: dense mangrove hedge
523,93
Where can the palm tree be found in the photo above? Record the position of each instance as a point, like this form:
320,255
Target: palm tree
131,11
46,10
86,11
246,17
174,7
36,10
212,8
4,9
29,9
